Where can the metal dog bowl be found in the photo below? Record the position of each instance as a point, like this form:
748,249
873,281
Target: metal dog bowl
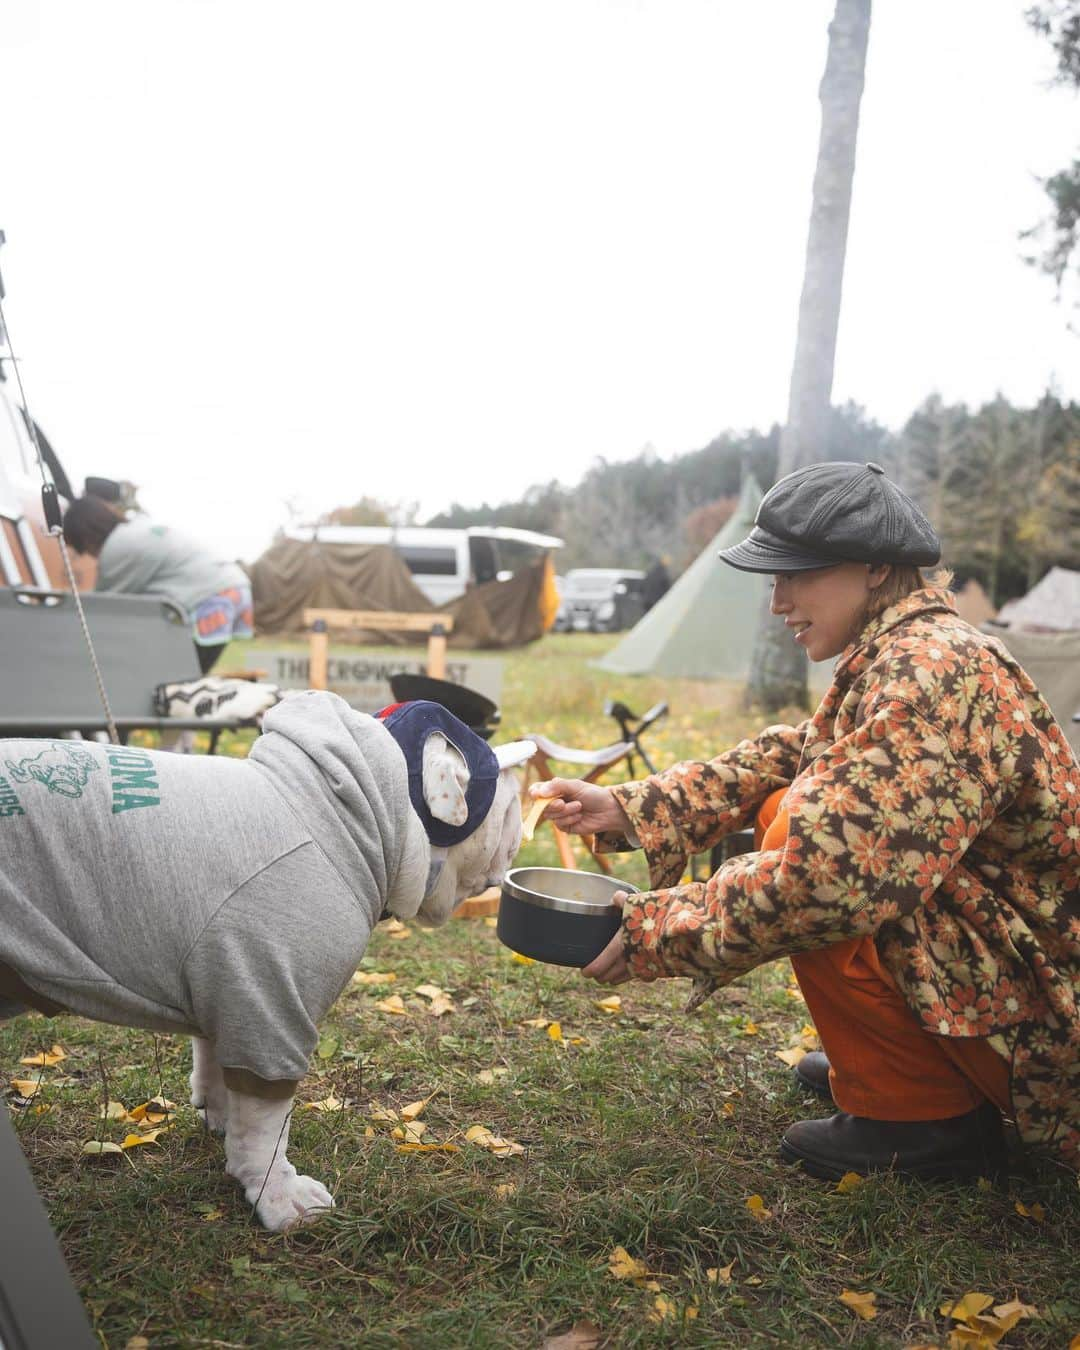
557,915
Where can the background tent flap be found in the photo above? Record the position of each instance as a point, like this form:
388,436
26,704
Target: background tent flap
704,626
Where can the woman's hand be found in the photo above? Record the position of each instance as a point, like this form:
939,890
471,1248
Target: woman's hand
610,966
579,807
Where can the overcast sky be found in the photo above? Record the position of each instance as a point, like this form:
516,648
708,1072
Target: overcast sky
267,254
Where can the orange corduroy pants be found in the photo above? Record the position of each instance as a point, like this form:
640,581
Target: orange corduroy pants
883,1065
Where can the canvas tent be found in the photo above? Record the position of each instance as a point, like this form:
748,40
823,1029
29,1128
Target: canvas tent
1051,606
704,626
294,575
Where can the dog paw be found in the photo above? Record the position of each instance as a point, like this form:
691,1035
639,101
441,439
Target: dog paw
215,1119
287,1202
212,1104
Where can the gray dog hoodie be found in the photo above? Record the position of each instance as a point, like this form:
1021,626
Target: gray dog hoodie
227,898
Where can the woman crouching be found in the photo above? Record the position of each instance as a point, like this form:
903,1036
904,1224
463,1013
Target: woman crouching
918,853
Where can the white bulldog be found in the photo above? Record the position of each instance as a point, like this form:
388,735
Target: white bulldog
233,899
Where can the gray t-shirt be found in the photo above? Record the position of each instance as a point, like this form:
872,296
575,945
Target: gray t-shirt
141,557
193,893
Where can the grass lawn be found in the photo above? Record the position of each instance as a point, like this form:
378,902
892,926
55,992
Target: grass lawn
640,1128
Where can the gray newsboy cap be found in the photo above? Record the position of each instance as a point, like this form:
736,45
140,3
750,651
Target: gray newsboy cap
832,513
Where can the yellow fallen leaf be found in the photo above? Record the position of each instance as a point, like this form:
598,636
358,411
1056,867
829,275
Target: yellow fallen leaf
754,1279
720,1274
393,927
484,1138
393,1005
153,1111
414,1109
993,1328
1004,1310
491,921
555,1031
809,1032
749,1029
728,1109
532,819
488,1076
95,1147
1035,1211
113,1111
330,1103
377,1112
623,1266
430,991
863,1305
45,1059
520,960
149,1137
411,1132
26,1087
426,1148
791,1057
971,1305
211,1216
581,1336
369,1132
848,1182
374,977
538,1022
439,1007
401,934
505,1189
756,1205
611,1004
963,1335
664,1309
136,1343
1074,1344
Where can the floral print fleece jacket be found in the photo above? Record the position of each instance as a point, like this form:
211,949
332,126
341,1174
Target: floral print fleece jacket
934,803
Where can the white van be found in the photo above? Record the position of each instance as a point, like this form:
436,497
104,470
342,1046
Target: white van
443,561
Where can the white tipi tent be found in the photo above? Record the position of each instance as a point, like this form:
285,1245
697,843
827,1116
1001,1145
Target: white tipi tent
704,626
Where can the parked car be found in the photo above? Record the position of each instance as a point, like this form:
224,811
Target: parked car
600,600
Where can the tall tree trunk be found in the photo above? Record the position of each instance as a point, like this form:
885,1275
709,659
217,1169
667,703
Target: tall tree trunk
778,666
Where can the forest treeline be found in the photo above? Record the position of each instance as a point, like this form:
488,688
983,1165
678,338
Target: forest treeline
1000,483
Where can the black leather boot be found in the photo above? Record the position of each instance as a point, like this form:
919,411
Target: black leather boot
972,1145
812,1073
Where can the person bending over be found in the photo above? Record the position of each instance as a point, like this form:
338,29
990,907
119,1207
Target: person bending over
137,556
918,852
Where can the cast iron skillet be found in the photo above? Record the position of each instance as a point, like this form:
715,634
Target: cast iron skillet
556,915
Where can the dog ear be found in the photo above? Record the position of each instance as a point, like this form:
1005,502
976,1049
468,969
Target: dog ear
446,778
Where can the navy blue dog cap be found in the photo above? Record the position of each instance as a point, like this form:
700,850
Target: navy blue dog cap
411,724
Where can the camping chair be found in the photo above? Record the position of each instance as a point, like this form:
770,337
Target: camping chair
48,684
597,763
